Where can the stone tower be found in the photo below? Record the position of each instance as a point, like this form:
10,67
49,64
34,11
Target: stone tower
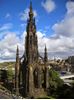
34,71
31,52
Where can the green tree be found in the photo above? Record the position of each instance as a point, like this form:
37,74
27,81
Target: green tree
10,74
54,82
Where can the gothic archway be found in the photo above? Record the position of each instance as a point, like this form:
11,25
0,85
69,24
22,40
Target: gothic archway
35,74
37,78
43,78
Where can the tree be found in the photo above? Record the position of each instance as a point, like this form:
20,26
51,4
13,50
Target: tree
3,76
54,82
10,74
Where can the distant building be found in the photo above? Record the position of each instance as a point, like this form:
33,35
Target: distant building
70,60
32,72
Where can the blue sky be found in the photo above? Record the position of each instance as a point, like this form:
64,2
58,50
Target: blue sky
53,19
14,8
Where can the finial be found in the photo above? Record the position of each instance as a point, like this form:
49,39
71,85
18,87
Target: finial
30,5
17,47
45,47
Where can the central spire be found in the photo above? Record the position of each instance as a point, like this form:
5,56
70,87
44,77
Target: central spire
31,38
31,11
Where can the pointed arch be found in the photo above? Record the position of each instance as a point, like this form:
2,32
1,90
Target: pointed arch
37,78
35,74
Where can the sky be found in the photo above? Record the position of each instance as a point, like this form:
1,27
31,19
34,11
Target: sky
54,23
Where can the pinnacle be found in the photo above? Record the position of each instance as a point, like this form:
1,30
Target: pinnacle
17,52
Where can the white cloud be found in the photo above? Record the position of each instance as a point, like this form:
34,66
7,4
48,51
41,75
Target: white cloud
61,44
10,41
64,32
5,26
25,14
66,26
49,5
70,7
4,29
23,25
56,47
7,15
8,46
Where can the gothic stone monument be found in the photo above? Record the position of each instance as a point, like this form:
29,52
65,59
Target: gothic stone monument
31,70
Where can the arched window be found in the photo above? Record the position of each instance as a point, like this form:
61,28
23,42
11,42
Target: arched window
36,78
43,78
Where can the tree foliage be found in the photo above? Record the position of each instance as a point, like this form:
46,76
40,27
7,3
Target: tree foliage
10,74
54,82
54,78
57,88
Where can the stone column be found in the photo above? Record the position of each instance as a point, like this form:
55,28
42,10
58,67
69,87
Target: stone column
46,78
31,82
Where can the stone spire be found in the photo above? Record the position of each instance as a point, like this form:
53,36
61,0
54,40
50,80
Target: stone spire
31,11
45,54
17,65
31,42
46,69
